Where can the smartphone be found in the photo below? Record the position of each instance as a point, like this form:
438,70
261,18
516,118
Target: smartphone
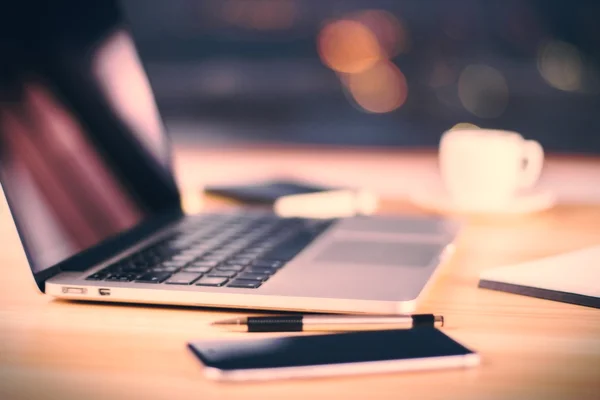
332,354
265,192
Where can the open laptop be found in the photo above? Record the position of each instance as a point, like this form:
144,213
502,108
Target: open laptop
85,170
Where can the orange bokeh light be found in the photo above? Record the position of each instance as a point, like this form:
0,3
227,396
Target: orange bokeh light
348,46
379,89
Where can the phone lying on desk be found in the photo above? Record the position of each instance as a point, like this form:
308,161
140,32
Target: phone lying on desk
266,192
332,354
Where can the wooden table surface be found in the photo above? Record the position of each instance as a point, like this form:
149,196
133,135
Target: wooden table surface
530,348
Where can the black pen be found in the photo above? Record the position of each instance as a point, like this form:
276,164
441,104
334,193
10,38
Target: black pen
299,323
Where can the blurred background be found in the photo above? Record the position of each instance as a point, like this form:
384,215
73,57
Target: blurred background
372,72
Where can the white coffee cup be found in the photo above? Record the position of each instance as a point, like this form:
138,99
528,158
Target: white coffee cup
486,167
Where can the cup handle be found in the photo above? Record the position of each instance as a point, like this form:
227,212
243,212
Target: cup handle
534,159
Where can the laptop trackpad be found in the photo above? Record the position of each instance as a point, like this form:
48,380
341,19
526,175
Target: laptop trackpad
380,253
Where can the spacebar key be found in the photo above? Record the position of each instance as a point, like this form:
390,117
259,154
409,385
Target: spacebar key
183,278
244,284
153,277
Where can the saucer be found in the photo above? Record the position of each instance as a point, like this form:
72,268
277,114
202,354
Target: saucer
437,199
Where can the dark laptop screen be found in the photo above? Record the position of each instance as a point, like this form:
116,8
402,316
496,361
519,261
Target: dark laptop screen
83,156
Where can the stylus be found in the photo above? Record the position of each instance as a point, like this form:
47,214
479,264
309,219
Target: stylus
299,323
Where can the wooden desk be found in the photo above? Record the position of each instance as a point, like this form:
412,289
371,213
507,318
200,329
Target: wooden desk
531,348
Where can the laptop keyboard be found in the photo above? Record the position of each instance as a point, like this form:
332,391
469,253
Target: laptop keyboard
217,250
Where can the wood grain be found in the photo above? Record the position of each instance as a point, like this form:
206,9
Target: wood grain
531,348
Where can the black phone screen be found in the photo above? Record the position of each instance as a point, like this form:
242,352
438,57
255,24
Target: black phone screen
355,347
265,192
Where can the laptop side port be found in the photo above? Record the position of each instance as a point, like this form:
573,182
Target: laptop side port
74,290
104,292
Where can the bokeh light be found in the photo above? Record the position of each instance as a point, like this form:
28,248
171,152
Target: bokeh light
560,64
442,74
483,91
348,46
391,34
379,89
358,48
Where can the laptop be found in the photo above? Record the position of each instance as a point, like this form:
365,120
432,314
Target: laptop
86,173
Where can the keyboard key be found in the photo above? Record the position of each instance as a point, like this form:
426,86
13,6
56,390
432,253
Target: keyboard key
222,274
261,270
161,268
153,277
184,257
211,281
175,263
245,256
205,263
197,269
240,260
253,276
244,284
202,246
236,245
221,253
267,263
121,277
98,276
231,267
252,252
183,278
213,258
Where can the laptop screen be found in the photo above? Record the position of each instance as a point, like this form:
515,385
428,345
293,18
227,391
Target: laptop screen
83,156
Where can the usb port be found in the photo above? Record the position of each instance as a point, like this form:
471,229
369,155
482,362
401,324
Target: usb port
74,290
104,292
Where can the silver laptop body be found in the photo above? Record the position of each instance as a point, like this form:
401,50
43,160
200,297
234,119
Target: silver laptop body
86,173
363,264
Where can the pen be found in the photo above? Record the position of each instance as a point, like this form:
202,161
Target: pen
299,323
